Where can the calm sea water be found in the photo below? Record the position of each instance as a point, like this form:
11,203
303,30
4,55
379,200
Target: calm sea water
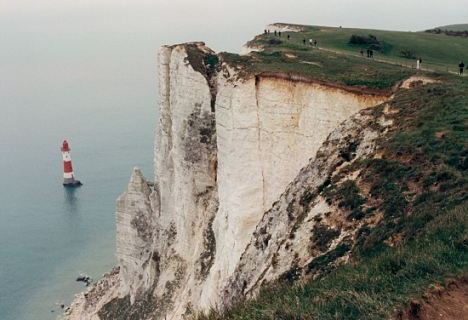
48,234
88,74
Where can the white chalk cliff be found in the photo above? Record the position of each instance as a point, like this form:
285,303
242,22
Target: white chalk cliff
235,189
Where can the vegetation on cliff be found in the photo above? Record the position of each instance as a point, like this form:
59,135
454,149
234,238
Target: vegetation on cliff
319,65
418,181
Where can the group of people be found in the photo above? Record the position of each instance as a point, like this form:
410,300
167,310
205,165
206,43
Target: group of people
312,42
461,66
277,33
370,53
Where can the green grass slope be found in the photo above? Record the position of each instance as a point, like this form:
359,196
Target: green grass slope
323,66
420,184
438,51
455,27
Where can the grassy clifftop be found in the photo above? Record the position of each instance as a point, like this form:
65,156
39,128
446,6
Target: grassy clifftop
320,65
337,58
438,51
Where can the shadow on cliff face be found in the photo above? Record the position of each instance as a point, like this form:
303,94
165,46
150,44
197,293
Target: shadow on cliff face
205,61
122,309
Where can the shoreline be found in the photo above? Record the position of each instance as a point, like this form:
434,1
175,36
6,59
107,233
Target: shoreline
101,291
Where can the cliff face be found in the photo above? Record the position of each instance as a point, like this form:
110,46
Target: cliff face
268,129
303,232
234,169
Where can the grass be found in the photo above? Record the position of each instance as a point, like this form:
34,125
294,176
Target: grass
420,183
323,66
455,27
374,287
438,51
347,196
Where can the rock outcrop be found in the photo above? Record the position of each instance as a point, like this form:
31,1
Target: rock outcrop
236,187
274,27
284,27
136,227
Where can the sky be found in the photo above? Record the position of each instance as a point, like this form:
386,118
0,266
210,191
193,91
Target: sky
218,18
54,45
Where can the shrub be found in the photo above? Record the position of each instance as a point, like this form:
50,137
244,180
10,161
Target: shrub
370,41
211,61
274,42
322,236
348,197
452,33
408,54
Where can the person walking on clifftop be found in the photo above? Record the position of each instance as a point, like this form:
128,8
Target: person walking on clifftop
462,67
418,63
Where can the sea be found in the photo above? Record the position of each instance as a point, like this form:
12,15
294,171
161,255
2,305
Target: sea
85,71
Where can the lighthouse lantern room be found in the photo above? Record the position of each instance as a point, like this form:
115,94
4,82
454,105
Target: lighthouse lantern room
68,176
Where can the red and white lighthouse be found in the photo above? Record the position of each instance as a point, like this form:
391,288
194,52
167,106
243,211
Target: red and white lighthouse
68,176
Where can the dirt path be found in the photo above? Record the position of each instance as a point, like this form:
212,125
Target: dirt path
346,53
407,65
449,303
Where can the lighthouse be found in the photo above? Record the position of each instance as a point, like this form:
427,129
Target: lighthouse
68,176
